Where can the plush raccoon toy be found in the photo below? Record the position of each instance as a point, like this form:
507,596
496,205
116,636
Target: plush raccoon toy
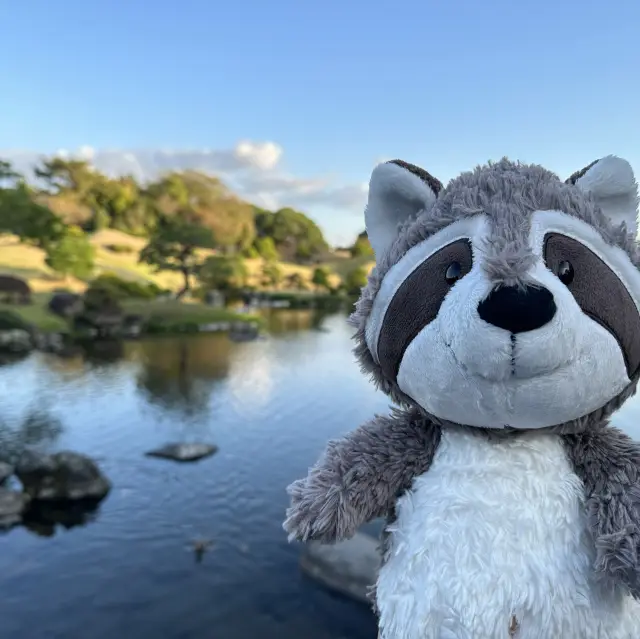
503,319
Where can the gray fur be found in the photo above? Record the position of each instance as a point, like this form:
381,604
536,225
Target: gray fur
608,462
361,476
434,184
503,191
574,177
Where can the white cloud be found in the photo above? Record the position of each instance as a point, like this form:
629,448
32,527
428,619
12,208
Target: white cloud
252,169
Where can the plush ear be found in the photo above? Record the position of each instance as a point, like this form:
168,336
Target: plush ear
397,191
611,182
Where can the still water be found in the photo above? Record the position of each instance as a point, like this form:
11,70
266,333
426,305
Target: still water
127,572
269,405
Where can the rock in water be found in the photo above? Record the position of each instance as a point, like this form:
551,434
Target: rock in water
6,470
15,341
183,452
349,567
61,476
12,505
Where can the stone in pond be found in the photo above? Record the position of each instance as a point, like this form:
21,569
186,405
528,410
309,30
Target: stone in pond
349,567
62,476
184,452
12,506
6,470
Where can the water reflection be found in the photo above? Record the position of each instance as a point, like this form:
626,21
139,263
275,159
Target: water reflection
8,359
104,351
36,429
270,405
180,374
45,518
282,322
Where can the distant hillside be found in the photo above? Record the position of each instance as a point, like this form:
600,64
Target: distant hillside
117,252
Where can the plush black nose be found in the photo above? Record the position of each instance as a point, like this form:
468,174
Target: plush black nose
518,309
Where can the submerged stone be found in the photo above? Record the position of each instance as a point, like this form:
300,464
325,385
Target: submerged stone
349,567
183,452
12,506
6,470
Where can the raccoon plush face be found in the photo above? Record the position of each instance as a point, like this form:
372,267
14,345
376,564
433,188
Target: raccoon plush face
508,299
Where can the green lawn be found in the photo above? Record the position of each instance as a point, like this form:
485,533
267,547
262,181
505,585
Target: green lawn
170,313
173,311
342,266
37,314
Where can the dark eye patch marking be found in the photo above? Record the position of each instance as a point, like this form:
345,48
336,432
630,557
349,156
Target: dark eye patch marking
417,302
599,292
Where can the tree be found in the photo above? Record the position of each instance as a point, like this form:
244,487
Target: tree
73,192
82,195
296,236
321,277
271,274
173,247
362,246
266,248
62,176
30,221
295,282
211,203
356,280
223,273
72,254
8,177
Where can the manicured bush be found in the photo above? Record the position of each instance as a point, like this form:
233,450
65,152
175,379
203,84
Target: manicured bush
120,248
10,321
126,289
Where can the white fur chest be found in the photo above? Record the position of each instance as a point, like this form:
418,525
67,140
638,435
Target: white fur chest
496,529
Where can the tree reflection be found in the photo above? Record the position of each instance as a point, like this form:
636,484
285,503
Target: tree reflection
282,321
7,359
36,429
43,518
180,373
103,351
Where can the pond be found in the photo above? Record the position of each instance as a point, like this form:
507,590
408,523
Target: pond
269,405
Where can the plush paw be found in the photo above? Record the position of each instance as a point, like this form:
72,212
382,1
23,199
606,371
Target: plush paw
618,558
319,511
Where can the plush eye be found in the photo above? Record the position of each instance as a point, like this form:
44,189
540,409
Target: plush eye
565,272
598,291
453,273
417,301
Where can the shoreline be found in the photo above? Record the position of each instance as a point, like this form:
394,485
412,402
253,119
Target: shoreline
54,335
33,327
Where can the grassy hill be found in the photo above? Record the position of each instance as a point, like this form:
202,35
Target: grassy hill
117,253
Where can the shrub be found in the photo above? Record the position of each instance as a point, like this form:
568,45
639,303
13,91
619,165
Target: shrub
126,289
362,247
223,273
10,321
98,298
265,247
271,274
321,277
355,280
295,282
120,248
72,254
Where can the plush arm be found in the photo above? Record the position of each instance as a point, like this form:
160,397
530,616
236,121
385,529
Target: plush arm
608,462
360,476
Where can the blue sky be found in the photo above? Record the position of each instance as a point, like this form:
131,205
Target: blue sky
333,86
